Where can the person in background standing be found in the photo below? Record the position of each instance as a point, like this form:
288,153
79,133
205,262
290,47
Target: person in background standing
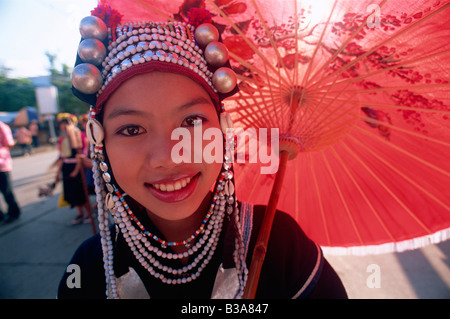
34,130
71,142
6,142
23,136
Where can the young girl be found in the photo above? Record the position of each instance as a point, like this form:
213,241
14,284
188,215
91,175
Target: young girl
179,231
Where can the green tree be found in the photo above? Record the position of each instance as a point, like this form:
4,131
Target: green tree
61,79
15,93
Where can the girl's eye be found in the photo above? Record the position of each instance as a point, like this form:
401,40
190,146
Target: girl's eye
131,130
193,121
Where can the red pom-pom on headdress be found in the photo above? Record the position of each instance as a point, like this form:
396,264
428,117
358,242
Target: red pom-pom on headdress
197,16
110,16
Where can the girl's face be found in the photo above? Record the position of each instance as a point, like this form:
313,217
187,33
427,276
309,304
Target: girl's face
139,118
63,126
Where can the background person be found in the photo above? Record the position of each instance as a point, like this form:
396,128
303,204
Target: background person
6,143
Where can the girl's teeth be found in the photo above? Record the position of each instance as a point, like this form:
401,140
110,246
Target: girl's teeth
172,187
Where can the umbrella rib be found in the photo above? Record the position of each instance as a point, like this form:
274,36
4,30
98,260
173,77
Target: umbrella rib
396,170
392,88
344,202
361,192
319,199
319,124
271,91
296,27
348,82
253,68
250,106
393,106
242,118
417,158
316,49
406,108
400,32
398,200
272,41
243,36
385,69
263,112
340,49
371,120
246,115
295,75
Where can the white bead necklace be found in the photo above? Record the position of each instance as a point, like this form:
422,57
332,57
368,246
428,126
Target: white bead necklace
149,256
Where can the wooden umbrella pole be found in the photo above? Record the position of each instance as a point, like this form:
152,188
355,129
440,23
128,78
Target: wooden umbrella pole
259,252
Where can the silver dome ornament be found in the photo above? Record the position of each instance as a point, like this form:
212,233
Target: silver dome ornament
92,51
216,53
86,78
94,132
92,27
206,33
224,80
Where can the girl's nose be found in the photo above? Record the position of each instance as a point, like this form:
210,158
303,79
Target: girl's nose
160,154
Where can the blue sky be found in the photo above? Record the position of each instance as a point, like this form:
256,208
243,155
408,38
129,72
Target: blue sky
29,28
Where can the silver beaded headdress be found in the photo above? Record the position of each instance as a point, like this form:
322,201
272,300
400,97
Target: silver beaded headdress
108,57
105,59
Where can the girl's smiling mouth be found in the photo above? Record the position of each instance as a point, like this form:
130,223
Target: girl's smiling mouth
173,190
170,187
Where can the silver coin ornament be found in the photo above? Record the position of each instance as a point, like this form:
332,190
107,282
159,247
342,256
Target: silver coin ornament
86,78
94,131
92,51
206,33
92,27
224,80
216,53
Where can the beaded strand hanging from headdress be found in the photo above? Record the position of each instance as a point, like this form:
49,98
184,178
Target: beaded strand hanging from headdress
108,55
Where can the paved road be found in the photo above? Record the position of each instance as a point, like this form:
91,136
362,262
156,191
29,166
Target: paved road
35,250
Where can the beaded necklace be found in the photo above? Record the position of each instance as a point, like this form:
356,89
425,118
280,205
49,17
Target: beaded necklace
139,239
164,243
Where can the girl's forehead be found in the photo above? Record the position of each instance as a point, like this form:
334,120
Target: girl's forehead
159,91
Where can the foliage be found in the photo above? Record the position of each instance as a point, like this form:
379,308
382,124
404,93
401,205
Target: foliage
61,79
15,93
18,93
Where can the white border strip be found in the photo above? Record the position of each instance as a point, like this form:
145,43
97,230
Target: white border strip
394,247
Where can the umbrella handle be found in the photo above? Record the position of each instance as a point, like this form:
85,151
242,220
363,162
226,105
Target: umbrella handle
259,252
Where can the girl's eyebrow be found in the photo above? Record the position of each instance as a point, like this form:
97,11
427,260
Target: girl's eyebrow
121,111
196,101
124,111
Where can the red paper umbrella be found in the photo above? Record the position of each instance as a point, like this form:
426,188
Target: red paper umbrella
359,92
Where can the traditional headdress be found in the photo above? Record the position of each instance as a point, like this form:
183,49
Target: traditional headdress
67,117
112,52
